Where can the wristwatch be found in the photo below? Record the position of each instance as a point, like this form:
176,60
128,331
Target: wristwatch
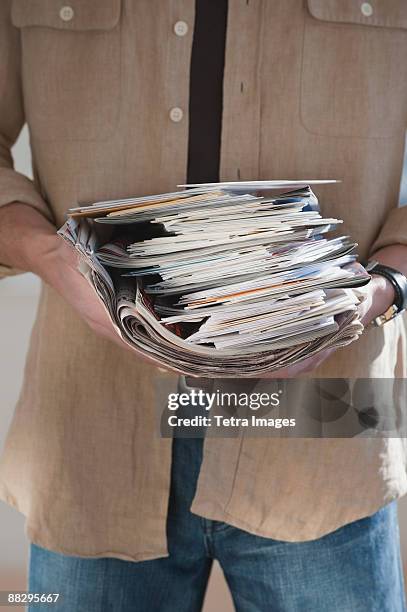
399,282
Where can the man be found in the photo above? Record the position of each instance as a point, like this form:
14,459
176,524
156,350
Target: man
310,89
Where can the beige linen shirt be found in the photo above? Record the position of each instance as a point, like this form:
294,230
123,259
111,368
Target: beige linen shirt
311,89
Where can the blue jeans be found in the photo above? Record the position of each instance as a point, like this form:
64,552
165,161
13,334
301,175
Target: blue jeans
354,569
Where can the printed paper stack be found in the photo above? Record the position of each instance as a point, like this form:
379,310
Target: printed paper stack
218,281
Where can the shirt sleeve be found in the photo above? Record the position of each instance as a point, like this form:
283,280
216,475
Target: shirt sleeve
14,187
393,231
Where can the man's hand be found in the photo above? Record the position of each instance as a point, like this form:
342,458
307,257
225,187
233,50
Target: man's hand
59,268
29,243
378,297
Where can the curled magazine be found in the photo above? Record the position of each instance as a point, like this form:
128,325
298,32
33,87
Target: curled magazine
222,279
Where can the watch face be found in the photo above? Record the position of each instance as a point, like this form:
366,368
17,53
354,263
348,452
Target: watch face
371,265
390,314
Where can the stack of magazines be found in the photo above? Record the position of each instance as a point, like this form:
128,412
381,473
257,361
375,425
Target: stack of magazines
218,280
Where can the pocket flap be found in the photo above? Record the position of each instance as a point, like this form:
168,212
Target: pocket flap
381,13
66,14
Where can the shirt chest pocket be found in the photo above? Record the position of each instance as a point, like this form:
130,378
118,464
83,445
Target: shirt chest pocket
354,68
71,64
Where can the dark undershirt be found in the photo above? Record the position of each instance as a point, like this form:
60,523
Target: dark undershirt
206,91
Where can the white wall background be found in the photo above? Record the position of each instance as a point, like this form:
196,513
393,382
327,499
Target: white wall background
18,302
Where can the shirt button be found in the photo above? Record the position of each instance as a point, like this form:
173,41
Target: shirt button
367,9
66,13
181,28
176,114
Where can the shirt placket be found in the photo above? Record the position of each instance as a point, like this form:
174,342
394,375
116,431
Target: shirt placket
240,158
180,17
240,142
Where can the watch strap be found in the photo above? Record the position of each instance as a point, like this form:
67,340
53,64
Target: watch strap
396,278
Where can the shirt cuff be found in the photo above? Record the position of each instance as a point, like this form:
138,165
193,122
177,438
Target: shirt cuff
394,230
15,187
